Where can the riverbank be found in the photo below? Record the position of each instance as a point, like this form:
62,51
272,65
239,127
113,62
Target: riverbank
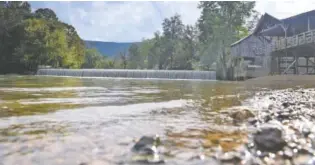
280,127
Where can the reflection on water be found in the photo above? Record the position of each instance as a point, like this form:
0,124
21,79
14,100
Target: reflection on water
49,120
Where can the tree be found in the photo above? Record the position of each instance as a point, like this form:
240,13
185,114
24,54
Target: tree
223,20
94,59
75,43
144,51
45,46
134,58
123,59
189,47
253,20
156,58
12,16
47,14
172,30
31,39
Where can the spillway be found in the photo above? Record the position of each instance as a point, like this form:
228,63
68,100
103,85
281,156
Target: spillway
125,73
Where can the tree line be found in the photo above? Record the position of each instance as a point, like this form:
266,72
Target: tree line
30,39
202,46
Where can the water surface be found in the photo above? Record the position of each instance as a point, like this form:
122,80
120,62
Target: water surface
55,120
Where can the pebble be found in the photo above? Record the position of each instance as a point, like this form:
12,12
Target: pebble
284,135
269,139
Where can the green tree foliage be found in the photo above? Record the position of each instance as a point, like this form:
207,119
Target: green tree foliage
203,46
33,39
174,48
173,30
12,16
223,20
188,50
123,60
47,14
144,51
134,57
40,38
93,59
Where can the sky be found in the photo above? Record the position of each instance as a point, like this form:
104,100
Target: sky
132,21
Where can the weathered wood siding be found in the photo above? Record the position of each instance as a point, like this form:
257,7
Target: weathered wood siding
252,46
258,50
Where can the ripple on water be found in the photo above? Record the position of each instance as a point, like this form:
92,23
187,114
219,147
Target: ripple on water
53,89
81,101
88,129
108,114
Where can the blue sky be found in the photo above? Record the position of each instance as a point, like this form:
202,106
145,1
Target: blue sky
133,21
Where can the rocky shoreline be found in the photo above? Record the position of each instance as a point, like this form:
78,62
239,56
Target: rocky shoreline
280,126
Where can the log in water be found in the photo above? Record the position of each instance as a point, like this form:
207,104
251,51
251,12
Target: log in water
124,73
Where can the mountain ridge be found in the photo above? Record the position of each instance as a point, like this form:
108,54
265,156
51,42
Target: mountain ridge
107,48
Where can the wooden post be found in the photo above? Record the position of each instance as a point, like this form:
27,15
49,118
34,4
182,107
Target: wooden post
296,71
279,65
307,58
308,24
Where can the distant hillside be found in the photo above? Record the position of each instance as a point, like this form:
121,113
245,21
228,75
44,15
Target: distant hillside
109,48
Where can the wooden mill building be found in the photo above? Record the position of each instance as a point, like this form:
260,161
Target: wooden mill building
279,46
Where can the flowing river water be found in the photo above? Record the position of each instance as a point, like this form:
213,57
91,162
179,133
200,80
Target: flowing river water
63,120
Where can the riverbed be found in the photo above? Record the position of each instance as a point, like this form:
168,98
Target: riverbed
64,120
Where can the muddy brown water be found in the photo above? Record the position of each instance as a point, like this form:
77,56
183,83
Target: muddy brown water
63,120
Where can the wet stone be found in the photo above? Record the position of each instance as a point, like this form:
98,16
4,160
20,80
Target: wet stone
267,118
144,143
253,121
269,139
231,157
83,163
272,98
287,153
146,150
306,131
241,115
283,116
280,132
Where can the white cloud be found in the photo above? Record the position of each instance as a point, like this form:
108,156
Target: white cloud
283,9
125,21
132,21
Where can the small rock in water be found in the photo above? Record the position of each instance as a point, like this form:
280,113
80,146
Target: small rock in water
241,115
145,142
287,153
272,98
285,104
230,157
83,163
146,150
269,139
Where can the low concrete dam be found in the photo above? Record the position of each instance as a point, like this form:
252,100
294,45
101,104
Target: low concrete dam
124,73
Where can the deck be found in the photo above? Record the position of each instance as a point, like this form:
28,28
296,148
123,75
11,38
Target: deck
294,41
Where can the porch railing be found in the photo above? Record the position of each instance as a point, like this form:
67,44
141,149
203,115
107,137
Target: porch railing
293,41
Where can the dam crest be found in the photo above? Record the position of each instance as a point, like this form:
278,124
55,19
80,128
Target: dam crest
128,73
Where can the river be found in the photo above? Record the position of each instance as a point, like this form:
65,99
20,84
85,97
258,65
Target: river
63,120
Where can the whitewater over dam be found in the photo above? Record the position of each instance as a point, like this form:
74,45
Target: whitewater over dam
124,73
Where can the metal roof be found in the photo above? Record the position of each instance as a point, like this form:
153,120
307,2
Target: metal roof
295,24
239,41
264,18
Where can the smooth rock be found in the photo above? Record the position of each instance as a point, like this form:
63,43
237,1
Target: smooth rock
269,139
